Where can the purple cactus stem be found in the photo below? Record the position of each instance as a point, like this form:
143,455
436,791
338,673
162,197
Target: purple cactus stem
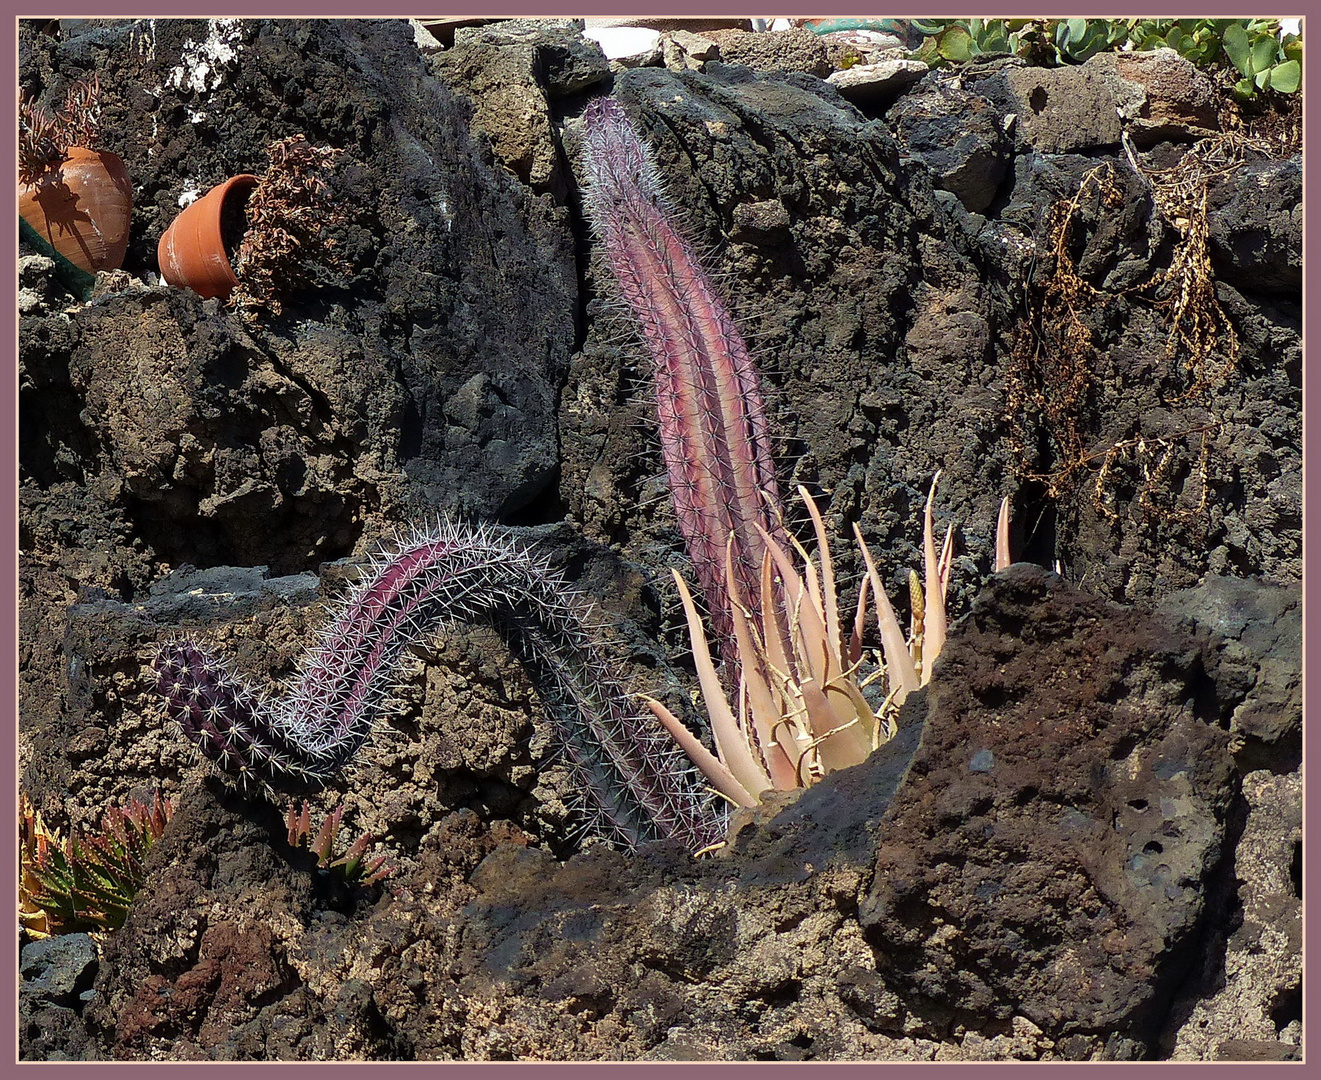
712,415
638,784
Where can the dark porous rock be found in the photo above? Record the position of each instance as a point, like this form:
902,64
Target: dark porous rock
957,135
1062,110
51,1033
789,50
1257,1050
118,741
1247,988
1254,220
57,970
566,62
1180,100
1258,629
192,595
56,975
509,107
1049,852
1070,109
510,71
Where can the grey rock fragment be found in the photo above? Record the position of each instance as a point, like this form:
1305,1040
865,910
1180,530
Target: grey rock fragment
57,969
959,136
881,81
1255,225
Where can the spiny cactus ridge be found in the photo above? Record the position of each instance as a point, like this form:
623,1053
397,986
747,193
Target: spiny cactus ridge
638,784
711,411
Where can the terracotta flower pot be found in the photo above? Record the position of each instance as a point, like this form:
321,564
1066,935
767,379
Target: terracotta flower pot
194,251
82,213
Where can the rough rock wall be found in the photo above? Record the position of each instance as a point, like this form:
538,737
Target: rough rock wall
890,264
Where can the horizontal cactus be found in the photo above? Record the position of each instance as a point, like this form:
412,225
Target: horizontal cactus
712,416
637,784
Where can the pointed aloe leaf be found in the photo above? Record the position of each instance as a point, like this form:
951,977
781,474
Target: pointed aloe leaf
838,745
774,634
731,742
1002,536
898,663
811,642
827,568
763,703
933,639
711,767
859,622
946,560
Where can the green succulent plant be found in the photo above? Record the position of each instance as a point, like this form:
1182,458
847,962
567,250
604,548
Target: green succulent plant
1265,58
85,882
960,40
1197,40
353,865
1078,40
1265,61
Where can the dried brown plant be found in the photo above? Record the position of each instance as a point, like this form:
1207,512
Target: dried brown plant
291,216
44,137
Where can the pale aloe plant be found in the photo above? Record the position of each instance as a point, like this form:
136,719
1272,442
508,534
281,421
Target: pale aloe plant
803,709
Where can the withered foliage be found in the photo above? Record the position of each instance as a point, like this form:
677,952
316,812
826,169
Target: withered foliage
1052,372
292,215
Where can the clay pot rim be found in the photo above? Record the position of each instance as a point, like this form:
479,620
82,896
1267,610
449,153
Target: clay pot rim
192,253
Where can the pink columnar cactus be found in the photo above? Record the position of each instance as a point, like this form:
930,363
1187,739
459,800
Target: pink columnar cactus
709,402
636,782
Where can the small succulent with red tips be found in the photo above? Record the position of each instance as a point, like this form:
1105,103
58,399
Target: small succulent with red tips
352,865
85,882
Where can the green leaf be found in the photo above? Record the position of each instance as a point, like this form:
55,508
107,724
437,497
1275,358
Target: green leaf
1287,77
1265,51
928,52
929,27
1179,41
955,43
1237,48
1244,89
995,41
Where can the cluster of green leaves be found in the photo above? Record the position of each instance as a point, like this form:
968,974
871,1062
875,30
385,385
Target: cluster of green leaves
960,40
1265,61
1264,58
353,865
87,882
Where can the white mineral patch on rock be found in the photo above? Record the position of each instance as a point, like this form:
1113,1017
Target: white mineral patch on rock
205,62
